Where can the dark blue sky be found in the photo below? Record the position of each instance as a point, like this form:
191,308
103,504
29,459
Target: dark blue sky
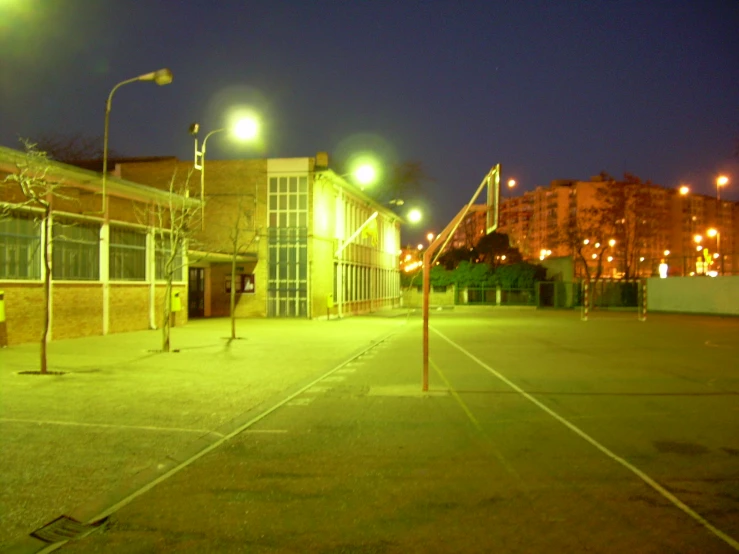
551,90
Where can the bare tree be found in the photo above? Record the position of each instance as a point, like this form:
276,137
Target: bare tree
242,236
69,148
33,191
583,235
174,224
633,212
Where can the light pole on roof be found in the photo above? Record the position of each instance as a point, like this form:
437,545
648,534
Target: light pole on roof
245,128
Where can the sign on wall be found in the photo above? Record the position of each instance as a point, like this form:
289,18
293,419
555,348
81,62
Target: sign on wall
245,281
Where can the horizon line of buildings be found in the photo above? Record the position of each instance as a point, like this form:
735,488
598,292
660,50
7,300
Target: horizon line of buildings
693,234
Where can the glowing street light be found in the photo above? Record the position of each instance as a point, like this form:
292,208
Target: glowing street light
420,246
684,190
697,239
365,174
245,128
712,232
414,216
721,181
612,242
430,237
160,77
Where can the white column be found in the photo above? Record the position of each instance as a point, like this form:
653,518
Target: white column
105,273
151,276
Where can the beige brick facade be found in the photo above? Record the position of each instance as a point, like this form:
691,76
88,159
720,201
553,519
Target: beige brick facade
80,305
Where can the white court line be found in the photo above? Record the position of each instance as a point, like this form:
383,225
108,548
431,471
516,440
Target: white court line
214,445
108,425
639,473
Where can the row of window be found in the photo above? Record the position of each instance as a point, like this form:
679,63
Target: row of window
77,251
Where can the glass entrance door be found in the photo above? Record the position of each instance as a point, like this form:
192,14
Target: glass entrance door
196,292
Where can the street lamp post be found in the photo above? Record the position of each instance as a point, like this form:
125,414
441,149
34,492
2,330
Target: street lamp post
160,77
246,128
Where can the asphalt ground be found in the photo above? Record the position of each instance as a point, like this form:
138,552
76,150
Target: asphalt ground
540,433
122,406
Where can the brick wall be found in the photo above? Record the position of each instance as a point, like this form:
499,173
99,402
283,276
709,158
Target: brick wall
129,307
181,316
24,311
247,304
77,310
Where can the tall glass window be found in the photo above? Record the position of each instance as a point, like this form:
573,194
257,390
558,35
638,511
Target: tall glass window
163,250
20,248
76,248
127,255
287,282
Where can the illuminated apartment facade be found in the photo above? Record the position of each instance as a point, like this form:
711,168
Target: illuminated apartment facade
694,234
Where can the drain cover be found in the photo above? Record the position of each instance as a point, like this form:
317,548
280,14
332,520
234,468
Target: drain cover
65,528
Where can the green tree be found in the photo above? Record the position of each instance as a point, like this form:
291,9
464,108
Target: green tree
520,276
473,275
495,249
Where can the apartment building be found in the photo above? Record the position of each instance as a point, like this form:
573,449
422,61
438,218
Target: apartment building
692,234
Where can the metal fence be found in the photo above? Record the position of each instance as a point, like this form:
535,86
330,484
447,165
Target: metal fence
602,294
495,296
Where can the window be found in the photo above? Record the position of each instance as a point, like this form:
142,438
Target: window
76,248
20,248
127,255
287,284
163,252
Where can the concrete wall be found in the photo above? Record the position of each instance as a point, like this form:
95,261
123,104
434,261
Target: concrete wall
703,295
413,298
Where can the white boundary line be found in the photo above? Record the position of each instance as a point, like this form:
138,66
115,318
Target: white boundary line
212,446
639,473
109,425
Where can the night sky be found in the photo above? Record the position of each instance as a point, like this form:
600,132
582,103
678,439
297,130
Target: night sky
549,89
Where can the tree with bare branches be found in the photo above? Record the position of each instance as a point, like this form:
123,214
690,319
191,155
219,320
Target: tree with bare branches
31,191
70,148
173,223
242,236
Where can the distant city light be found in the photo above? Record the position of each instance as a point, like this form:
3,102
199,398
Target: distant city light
667,252
684,190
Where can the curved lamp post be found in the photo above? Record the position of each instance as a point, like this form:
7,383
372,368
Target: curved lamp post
247,128
160,77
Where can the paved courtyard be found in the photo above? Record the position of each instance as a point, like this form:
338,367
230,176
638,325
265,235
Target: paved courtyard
540,433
